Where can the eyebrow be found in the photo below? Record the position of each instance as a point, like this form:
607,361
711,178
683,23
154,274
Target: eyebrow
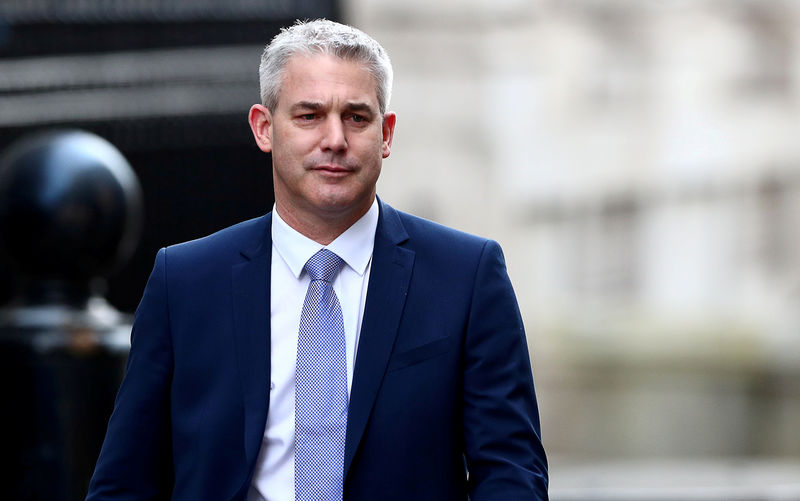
316,106
306,105
364,107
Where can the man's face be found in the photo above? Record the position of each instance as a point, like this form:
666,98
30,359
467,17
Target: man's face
327,139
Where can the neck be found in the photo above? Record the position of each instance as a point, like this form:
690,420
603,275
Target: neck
321,228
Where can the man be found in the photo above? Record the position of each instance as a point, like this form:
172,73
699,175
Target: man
335,348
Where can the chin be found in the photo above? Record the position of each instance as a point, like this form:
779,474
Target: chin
339,203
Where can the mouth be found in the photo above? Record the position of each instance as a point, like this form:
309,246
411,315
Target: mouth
335,170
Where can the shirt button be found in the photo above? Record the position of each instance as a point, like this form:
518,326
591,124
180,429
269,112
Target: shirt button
272,385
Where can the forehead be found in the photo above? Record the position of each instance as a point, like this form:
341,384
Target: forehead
322,78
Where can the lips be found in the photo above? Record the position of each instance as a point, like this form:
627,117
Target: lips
332,169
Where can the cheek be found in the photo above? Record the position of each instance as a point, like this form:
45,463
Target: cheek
370,149
293,142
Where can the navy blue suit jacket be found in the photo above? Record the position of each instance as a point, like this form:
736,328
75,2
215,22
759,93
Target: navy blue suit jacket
442,381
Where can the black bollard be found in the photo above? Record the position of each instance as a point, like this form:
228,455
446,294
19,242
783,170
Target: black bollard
70,211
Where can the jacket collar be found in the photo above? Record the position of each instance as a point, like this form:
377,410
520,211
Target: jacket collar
386,294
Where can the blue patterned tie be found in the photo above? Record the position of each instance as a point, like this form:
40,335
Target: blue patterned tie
321,386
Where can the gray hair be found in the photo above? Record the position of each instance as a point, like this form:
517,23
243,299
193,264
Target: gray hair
323,37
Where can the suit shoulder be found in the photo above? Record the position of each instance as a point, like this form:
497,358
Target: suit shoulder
421,228
246,235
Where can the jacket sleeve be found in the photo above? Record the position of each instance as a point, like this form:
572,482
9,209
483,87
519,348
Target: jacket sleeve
135,462
503,448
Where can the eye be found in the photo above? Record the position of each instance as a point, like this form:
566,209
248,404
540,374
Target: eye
355,118
308,116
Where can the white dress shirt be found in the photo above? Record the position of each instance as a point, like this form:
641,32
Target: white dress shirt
273,479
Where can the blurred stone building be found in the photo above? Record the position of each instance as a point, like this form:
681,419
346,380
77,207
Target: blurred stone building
640,164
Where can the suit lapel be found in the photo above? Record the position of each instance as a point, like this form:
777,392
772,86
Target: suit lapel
388,284
251,306
389,279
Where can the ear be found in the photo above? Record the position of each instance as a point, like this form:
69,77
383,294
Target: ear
389,121
260,120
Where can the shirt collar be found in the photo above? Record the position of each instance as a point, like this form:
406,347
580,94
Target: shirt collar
354,246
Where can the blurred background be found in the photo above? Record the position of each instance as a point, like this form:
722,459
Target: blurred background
639,162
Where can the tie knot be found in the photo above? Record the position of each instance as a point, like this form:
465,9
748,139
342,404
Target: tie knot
324,265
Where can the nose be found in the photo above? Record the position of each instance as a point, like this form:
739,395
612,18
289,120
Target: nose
333,138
